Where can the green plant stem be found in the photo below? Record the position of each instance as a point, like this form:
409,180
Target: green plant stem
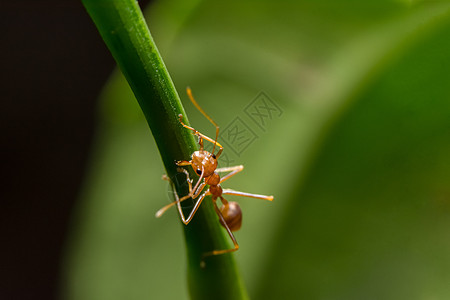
125,32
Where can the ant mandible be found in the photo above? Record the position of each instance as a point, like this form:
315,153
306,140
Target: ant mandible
204,163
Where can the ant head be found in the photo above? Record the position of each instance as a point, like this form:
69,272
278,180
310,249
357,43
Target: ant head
204,160
232,214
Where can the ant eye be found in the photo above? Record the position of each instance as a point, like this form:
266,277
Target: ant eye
214,156
199,172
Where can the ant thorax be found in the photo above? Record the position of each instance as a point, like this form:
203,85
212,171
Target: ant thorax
213,180
204,160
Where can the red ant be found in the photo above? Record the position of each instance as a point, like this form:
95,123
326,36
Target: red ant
204,163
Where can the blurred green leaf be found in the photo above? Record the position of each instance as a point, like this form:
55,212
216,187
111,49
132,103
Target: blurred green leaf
371,219
358,162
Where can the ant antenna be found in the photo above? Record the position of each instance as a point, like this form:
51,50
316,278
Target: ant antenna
189,92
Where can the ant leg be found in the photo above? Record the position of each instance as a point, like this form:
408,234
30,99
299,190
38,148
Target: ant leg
197,184
197,188
178,203
181,163
190,195
162,210
234,170
188,180
193,192
180,117
228,169
243,194
194,210
188,163
222,220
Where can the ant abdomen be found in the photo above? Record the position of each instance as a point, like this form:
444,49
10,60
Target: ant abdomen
232,213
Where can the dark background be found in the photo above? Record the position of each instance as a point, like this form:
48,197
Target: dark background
53,67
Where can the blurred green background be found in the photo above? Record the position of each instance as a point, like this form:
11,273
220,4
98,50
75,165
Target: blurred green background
357,154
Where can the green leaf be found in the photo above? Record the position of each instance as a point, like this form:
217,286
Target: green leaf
123,28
